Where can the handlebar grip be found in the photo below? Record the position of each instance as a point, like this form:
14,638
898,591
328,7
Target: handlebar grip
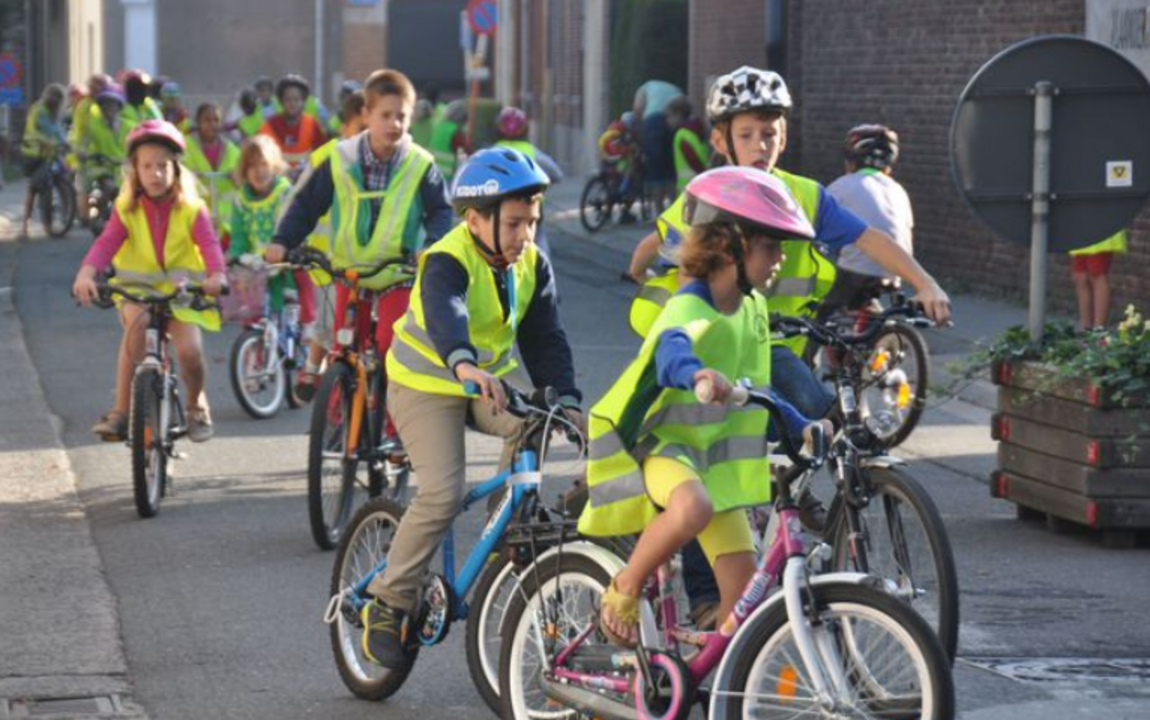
739,395
819,443
471,387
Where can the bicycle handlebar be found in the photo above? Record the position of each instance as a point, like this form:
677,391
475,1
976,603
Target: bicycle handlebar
306,257
541,400
830,332
194,292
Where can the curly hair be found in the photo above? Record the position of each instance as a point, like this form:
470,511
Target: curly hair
707,248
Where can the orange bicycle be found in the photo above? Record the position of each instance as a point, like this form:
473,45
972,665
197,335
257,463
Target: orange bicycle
348,422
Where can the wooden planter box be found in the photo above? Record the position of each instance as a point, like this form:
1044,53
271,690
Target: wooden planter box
1069,451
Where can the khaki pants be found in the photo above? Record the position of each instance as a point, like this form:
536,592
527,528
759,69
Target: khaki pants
432,429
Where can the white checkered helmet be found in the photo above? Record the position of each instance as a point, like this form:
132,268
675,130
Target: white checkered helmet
747,89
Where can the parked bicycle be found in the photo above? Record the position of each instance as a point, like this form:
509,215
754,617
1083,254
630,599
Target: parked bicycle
610,190
349,421
881,520
520,532
156,419
101,177
796,644
54,194
891,369
270,348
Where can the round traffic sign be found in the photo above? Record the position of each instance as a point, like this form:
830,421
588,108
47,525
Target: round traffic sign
10,73
483,16
1100,145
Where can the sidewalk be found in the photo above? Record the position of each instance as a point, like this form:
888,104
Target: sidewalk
60,652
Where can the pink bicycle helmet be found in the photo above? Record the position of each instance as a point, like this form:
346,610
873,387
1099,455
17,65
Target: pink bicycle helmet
511,123
157,131
756,201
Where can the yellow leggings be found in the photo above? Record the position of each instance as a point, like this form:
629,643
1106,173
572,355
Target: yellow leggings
728,532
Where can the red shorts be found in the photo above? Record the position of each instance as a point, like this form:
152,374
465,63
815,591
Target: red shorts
1094,265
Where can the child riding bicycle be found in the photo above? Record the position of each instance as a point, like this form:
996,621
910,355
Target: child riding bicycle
661,463
479,291
158,194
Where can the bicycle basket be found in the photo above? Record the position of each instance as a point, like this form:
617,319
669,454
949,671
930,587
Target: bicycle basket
245,302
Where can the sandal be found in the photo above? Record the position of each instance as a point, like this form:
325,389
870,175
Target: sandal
625,608
112,426
306,384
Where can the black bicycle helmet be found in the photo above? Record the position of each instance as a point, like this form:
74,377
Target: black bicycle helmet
873,146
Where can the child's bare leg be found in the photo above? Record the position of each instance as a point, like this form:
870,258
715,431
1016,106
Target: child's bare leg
1085,299
732,572
1100,289
190,359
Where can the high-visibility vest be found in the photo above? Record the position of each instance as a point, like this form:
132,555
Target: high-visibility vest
136,264
686,137
440,147
653,295
251,123
78,133
412,360
132,115
1116,243
298,147
216,184
35,143
726,445
105,140
320,238
522,146
354,240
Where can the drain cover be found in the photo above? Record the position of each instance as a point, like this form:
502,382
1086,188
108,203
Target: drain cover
58,707
1061,670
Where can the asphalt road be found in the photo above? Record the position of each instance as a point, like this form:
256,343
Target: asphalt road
221,596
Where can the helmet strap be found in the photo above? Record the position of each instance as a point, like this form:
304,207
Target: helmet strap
738,254
731,145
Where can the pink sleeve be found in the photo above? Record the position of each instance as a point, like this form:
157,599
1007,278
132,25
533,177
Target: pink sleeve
108,244
205,236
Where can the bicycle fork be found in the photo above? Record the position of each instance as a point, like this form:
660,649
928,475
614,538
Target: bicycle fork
817,647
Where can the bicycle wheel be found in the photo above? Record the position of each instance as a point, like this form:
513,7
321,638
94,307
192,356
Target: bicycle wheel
895,383
363,549
101,205
148,438
890,662
902,539
484,624
330,472
595,206
57,206
260,389
570,595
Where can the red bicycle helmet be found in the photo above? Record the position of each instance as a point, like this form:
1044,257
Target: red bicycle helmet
157,131
511,123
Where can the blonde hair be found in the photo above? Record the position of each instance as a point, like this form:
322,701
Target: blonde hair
183,187
259,147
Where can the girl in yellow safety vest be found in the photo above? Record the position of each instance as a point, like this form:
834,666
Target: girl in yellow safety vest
159,235
662,463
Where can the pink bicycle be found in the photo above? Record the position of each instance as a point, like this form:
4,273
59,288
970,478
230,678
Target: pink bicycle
836,645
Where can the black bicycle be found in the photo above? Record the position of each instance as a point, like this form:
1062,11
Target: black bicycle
156,419
54,194
611,189
101,185
881,520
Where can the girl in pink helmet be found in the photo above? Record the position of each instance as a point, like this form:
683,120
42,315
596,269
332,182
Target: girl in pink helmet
160,234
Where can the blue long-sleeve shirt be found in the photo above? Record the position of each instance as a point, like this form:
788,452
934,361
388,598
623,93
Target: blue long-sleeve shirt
676,365
313,198
541,338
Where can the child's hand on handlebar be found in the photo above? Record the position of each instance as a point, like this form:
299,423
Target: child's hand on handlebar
935,303
575,415
711,386
490,388
275,253
215,284
828,432
84,288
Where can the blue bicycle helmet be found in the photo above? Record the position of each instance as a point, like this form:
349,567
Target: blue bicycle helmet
493,174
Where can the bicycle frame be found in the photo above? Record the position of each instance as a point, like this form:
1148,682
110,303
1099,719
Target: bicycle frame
358,353
524,480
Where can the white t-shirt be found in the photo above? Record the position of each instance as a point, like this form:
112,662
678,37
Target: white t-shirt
883,204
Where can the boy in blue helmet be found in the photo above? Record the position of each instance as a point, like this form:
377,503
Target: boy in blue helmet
480,290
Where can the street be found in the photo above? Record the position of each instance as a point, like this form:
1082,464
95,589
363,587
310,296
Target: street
219,598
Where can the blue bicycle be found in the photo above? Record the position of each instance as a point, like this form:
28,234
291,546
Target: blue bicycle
520,534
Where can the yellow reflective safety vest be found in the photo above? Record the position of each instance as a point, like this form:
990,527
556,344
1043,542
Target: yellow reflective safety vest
320,238
652,297
136,264
1116,243
686,137
724,444
216,184
104,139
251,123
412,360
354,241
521,145
132,115
36,144
440,147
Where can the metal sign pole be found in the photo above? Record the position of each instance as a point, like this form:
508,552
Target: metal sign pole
1040,207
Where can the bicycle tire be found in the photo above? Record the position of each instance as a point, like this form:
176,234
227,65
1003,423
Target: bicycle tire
894,490
148,441
367,533
252,341
899,340
874,612
513,685
596,205
57,217
488,609
328,435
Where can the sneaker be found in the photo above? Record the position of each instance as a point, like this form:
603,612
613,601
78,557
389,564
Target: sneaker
812,513
384,630
112,426
199,425
306,384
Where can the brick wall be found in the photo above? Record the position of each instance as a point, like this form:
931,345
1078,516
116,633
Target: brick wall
724,35
904,63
